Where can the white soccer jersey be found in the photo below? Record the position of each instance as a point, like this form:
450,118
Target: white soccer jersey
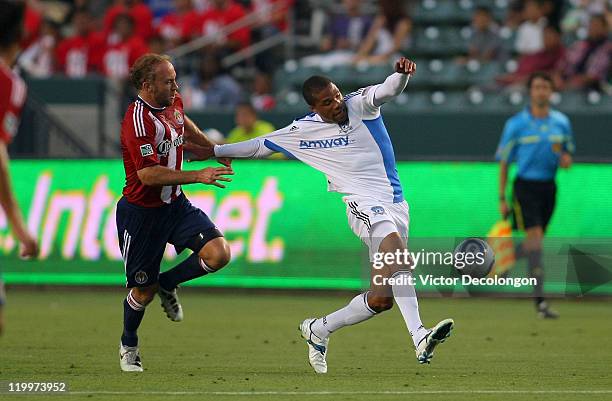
357,158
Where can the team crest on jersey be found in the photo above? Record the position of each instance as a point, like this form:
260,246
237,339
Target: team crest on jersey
178,117
345,127
378,210
556,147
141,277
10,123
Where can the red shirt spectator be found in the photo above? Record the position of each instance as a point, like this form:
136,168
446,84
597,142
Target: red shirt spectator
123,48
140,12
279,17
31,26
223,13
173,26
74,54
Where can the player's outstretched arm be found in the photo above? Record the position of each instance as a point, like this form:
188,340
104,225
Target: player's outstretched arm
29,246
396,82
251,149
159,176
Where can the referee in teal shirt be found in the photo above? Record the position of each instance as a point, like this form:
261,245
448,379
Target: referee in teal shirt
539,139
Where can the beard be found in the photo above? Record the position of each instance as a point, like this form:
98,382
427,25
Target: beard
163,99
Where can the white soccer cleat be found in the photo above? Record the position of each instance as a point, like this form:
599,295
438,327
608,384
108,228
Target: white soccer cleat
129,359
171,304
437,335
317,347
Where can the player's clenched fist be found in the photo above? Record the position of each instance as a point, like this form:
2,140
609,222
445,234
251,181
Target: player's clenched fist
405,66
211,175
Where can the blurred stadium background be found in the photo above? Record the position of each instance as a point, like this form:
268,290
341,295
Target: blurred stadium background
473,58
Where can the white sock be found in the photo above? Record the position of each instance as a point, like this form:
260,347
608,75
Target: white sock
356,311
406,300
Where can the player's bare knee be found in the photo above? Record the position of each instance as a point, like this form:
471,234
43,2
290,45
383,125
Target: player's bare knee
216,253
380,304
144,295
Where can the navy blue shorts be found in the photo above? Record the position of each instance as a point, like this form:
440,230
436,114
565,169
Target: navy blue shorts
144,232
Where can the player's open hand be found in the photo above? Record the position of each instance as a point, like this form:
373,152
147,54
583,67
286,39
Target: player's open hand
29,247
210,175
405,66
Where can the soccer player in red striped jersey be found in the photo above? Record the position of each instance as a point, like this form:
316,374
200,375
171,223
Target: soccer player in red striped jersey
153,210
13,96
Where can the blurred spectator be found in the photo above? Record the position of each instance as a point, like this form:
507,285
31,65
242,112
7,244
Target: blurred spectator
343,36
159,8
123,47
212,21
579,14
272,18
174,25
76,54
552,11
389,34
587,63
32,23
514,14
545,60
485,43
269,21
140,13
530,34
262,98
247,125
157,45
38,60
209,87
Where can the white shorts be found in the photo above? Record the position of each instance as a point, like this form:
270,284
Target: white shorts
365,213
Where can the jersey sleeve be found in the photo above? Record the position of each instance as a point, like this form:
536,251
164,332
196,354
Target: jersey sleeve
11,104
506,150
261,147
139,138
569,145
370,110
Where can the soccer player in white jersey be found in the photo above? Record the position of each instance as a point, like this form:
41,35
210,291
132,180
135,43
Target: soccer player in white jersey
345,138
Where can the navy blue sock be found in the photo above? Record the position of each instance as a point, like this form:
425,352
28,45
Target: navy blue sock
536,271
188,269
133,313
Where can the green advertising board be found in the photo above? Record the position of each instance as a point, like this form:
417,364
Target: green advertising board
284,229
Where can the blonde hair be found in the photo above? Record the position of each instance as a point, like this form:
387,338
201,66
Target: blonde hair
144,68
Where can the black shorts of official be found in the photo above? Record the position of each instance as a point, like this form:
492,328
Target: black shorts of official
533,203
144,232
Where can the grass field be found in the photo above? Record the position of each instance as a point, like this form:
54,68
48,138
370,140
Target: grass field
246,347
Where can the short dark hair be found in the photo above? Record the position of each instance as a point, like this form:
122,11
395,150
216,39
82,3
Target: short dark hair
312,85
482,9
248,105
11,22
144,68
602,18
542,75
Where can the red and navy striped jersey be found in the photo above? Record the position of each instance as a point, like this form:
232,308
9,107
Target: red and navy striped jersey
151,136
